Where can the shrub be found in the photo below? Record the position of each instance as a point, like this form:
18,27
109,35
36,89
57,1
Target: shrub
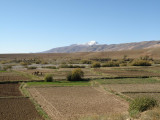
37,61
123,64
156,61
141,104
146,57
111,64
7,67
63,66
48,78
50,67
86,61
44,62
4,62
96,65
71,66
32,67
1,68
75,75
69,76
23,63
141,63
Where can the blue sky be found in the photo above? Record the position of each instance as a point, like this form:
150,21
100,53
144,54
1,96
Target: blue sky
37,25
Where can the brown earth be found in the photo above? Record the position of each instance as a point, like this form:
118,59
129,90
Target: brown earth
65,103
153,52
133,87
18,109
9,90
136,90
127,73
12,76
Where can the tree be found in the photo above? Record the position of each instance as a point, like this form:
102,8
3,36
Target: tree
75,75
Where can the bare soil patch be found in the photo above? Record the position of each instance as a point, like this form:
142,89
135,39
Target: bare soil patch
9,90
154,95
65,103
136,90
133,87
11,76
127,73
18,109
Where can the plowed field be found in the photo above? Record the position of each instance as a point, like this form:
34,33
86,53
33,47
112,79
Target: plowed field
65,103
13,106
9,90
18,109
127,73
11,76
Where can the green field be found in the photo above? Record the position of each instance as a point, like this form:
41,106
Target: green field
61,83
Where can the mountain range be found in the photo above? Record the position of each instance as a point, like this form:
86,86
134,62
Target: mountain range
93,46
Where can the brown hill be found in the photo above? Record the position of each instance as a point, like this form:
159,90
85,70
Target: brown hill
152,52
104,47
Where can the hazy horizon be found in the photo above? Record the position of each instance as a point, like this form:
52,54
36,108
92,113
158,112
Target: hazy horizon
36,25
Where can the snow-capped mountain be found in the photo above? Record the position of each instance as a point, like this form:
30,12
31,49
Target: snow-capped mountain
93,46
90,43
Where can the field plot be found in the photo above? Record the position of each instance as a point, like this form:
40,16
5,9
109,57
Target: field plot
59,83
14,106
136,90
66,103
155,95
18,109
129,81
127,72
9,90
11,76
134,87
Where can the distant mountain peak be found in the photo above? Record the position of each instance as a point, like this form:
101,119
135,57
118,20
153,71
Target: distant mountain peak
90,43
93,46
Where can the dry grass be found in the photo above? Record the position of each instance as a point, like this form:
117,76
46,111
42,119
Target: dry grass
153,114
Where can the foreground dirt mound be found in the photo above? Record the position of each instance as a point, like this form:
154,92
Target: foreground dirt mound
64,103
